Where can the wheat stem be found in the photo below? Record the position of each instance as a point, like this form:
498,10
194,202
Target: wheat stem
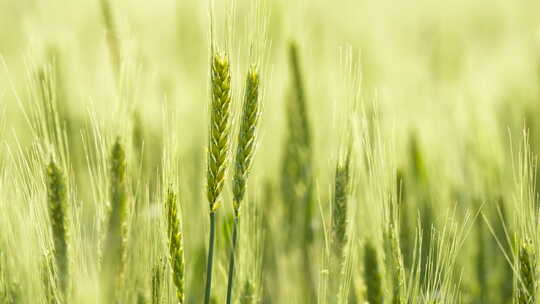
243,160
232,260
210,258
218,150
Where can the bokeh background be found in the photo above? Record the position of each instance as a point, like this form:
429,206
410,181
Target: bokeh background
440,91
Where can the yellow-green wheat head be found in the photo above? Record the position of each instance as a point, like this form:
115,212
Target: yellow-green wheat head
218,150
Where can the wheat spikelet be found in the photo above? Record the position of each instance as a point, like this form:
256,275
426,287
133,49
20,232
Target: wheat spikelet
176,250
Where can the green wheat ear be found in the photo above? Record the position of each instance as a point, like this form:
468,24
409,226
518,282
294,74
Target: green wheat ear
526,288
246,137
176,250
116,240
57,202
373,277
218,151
339,205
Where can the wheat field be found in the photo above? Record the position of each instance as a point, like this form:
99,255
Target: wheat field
269,151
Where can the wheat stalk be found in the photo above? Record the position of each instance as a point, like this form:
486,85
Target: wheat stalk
243,160
218,150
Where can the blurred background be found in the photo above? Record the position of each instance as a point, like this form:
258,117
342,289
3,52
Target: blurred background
445,88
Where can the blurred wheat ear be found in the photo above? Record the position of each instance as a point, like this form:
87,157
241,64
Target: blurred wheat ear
342,181
218,149
175,242
113,41
114,258
57,202
372,275
297,170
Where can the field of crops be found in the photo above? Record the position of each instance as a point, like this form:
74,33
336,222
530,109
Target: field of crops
269,151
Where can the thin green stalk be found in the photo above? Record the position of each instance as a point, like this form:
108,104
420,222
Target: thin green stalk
210,260
232,260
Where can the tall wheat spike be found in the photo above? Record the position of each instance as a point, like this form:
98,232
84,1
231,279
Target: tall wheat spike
175,242
218,149
243,160
297,180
